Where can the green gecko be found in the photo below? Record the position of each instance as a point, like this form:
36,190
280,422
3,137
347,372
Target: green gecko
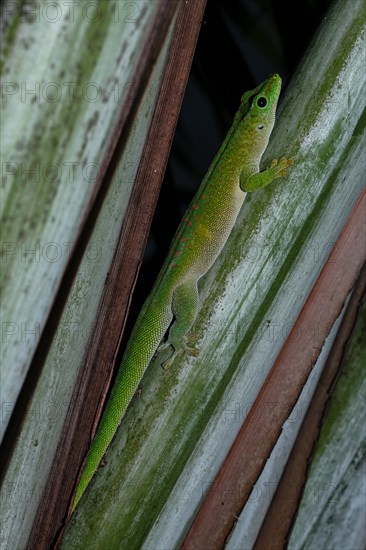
200,238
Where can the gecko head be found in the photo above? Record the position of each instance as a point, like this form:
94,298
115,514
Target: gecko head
261,105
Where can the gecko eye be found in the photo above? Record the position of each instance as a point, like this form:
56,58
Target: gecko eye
261,102
260,127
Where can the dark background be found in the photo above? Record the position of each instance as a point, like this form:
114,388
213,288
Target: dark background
241,42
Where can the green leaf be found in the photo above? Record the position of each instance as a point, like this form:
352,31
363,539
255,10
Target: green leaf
332,509
175,436
53,213
61,104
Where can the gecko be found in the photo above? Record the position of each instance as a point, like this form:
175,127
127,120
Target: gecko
171,307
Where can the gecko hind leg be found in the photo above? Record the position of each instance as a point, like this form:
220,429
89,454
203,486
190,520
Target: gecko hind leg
184,306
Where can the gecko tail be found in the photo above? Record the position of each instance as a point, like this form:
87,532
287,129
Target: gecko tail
150,327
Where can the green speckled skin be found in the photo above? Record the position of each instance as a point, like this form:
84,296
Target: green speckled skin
200,238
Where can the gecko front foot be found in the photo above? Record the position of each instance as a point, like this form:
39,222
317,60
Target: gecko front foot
278,168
